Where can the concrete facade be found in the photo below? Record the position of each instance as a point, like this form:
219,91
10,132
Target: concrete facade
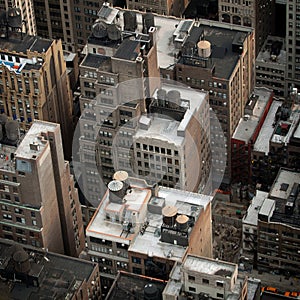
40,204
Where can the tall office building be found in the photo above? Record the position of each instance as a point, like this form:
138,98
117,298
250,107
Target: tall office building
292,45
111,59
258,14
34,82
39,203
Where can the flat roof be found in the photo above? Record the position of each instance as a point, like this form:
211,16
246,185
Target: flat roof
265,134
208,266
264,54
128,50
287,177
161,129
256,104
280,136
37,127
94,60
102,228
251,217
137,286
28,43
267,207
61,274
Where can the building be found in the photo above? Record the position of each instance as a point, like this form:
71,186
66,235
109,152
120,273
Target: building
292,45
172,142
272,148
272,223
28,273
278,225
127,285
68,20
271,64
25,10
249,227
204,278
39,205
34,83
257,14
246,133
134,229
173,7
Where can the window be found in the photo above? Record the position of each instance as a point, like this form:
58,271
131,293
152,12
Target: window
33,214
136,260
206,281
219,295
191,278
192,289
220,284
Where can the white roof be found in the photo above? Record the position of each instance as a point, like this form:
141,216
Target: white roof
208,266
251,216
267,207
24,151
265,134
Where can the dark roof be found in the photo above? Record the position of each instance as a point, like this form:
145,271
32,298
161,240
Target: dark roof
32,43
58,275
41,45
221,40
29,67
95,60
127,285
127,50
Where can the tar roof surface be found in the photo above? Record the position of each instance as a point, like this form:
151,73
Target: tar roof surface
94,60
31,43
127,50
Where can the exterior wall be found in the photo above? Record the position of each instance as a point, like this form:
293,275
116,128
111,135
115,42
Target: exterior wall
292,45
277,247
201,238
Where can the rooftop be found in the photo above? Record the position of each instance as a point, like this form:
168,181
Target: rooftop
284,129
273,51
265,134
95,60
251,217
190,204
253,112
209,266
128,285
283,184
267,207
32,146
128,50
57,275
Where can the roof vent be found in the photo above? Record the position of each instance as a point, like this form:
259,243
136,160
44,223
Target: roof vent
34,146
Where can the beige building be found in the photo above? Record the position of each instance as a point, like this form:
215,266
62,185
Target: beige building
257,14
144,229
34,83
39,205
200,278
172,143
